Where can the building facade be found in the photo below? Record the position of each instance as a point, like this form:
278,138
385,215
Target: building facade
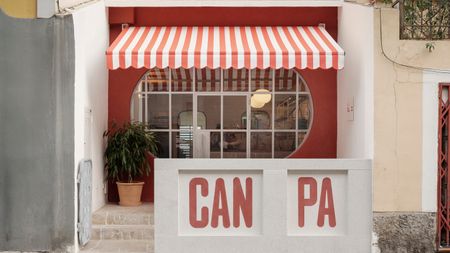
383,104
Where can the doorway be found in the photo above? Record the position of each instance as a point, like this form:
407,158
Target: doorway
443,209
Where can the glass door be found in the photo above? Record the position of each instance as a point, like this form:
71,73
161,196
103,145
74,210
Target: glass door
221,123
235,125
207,138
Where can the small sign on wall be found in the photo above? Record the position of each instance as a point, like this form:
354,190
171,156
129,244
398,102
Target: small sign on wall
350,109
220,202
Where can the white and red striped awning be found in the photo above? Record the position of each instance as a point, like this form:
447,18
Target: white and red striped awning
225,47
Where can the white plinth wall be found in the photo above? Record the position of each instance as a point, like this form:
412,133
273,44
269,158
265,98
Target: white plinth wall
263,205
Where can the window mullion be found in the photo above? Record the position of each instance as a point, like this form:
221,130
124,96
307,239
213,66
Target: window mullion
296,111
273,114
249,115
221,126
170,113
141,98
221,81
194,115
221,113
146,106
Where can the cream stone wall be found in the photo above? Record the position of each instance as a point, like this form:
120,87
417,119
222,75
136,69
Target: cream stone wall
398,119
364,2
411,52
38,8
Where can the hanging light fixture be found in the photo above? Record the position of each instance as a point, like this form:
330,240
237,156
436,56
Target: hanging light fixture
261,98
265,97
255,102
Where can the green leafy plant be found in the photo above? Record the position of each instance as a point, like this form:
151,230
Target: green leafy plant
425,19
430,46
126,151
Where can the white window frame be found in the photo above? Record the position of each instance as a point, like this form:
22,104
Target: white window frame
137,91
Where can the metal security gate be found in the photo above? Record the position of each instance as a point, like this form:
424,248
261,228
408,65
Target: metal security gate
443,212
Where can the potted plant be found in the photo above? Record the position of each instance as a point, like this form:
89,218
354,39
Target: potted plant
126,159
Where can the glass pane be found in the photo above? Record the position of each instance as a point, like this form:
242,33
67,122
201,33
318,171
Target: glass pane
234,112
138,107
181,111
158,111
261,145
261,80
207,144
285,80
284,144
234,145
181,80
201,120
207,80
285,111
301,138
261,104
156,80
302,85
163,144
209,112
235,80
304,112
215,142
182,144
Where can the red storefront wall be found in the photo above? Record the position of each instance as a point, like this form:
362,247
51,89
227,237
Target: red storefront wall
321,141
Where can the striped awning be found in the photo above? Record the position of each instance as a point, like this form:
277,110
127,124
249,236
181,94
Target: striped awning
247,47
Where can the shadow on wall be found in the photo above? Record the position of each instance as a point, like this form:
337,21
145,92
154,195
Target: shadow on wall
36,149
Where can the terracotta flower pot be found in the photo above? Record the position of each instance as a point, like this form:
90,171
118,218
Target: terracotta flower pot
130,193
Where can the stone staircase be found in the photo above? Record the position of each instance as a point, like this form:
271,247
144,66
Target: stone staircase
122,229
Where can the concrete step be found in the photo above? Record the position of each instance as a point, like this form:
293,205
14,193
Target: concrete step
118,215
131,246
122,232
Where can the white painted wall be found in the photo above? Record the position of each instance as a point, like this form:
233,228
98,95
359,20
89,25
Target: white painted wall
275,206
45,8
430,113
91,91
355,137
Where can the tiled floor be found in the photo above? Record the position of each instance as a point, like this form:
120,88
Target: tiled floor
122,229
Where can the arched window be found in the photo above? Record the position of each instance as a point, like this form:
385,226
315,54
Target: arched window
203,113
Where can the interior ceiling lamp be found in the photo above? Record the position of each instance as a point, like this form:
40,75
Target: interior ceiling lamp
265,97
255,103
261,98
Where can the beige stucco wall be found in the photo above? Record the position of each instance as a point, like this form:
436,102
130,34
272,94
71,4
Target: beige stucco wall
411,52
29,8
398,113
19,8
364,2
